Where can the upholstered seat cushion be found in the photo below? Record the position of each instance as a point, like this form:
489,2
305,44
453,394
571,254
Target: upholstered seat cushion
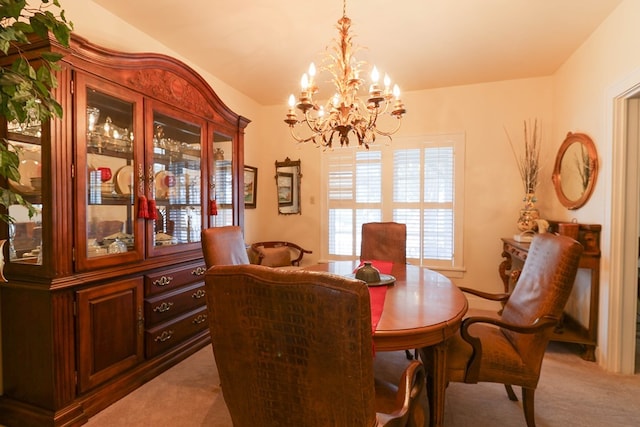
500,362
275,257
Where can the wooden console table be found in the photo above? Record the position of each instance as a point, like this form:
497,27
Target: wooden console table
515,254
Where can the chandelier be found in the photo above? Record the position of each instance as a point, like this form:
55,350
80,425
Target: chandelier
345,113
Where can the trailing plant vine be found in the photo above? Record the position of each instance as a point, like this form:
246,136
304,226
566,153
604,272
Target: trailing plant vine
26,85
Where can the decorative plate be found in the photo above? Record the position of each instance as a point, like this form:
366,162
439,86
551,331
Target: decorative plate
385,279
165,180
124,179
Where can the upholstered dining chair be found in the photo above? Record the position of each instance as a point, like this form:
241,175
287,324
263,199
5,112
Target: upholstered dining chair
509,349
277,253
295,348
224,246
384,241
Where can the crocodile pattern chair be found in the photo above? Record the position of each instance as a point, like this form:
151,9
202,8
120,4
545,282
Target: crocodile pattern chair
384,241
295,348
509,349
224,246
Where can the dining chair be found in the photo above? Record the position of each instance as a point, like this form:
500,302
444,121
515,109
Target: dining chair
509,349
224,246
295,348
384,241
278,253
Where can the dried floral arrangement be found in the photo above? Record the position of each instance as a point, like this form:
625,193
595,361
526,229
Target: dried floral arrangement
528,159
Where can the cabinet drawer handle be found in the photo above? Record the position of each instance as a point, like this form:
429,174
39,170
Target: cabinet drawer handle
199,271
165,306
201,318
164,336
198,294
163,281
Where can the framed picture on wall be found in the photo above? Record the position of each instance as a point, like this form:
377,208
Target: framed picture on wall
285,189
250,186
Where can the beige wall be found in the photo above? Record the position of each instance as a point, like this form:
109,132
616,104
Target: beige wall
606,65
493,190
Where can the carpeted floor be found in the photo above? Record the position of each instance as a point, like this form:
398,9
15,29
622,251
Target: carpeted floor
571,392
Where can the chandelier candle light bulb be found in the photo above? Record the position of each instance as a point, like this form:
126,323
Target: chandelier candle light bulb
345,113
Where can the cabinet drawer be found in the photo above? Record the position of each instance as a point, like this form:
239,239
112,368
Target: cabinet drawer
163,307
171,279
166,335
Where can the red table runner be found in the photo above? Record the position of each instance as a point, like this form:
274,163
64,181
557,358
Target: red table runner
378,293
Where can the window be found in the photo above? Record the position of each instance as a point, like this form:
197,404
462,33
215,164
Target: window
415,181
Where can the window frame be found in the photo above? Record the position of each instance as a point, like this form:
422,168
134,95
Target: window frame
387,205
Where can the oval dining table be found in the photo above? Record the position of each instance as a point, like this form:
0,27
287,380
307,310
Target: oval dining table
422,309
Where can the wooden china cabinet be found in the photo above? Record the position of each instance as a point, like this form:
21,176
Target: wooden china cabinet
105,283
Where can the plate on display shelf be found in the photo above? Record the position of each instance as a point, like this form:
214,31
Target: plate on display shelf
28,169
164,181
124,180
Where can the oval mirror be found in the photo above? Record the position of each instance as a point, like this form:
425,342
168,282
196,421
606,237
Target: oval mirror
576,169
288,186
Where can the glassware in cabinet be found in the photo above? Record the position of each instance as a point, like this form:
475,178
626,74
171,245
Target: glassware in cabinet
109,164
25,233
174,182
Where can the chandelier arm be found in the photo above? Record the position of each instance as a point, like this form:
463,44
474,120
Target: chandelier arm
299,138
390,132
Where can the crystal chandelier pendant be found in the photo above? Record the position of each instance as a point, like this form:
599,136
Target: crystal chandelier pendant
346,114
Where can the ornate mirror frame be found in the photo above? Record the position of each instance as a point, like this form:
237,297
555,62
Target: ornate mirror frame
288,177
576,170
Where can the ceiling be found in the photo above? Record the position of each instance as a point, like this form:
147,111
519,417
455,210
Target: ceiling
262,47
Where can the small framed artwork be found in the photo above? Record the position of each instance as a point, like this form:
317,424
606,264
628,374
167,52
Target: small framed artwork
285,189
250,187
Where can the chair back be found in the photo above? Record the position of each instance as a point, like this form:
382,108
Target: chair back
384,241
224,246
543,289
293,348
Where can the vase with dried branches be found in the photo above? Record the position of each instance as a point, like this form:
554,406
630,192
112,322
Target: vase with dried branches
528,161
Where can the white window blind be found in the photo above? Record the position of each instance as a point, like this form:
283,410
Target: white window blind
417,181
223,193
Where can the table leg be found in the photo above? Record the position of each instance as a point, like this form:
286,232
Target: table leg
435,359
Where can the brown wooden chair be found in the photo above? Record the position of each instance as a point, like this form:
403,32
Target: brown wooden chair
384,241
224,246
509,349
295,348
278,253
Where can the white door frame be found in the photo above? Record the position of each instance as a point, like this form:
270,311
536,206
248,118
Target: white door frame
620,303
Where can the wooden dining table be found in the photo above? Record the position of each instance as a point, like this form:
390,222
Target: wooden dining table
422,309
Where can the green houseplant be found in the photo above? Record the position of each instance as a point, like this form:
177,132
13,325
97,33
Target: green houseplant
25,90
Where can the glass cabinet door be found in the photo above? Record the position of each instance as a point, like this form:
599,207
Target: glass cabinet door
25,234
174,181
109,174
221,181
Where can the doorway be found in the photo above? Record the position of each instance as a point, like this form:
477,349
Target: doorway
633,187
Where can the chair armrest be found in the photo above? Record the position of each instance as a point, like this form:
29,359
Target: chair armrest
301,253
486,295
538,325
474,365
407,394
276,244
